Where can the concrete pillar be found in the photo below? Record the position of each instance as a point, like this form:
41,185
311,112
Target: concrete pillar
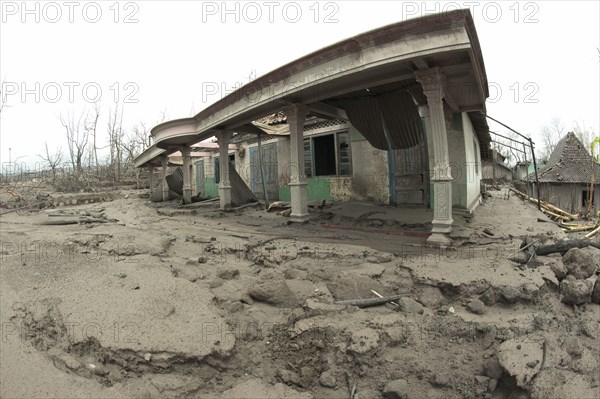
151,179
296,115
187,180
224,184
165,187
433,84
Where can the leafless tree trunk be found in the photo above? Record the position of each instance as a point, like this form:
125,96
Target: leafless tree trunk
551,135
115,139
52,160
92,128
77,140
585,134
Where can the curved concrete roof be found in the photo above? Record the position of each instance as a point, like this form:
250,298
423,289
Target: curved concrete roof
385,55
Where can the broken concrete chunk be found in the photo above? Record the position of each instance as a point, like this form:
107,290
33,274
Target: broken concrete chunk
228,273
431,296
397,389
327,379
579,263
572,346
476,306
274,292
510,294
408,305
488,297
575,292
559,269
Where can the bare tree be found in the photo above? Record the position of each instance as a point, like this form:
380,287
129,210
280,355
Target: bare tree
584,133
52,160
91,126
135,142
115,140
77,139
551,135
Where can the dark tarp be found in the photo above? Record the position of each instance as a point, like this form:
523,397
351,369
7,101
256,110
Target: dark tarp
396,109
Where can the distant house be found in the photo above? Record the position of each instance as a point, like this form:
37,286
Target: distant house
565,179
497,170
521,170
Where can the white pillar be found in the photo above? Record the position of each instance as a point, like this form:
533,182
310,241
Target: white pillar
296,115
165,187
224,184
187,184
433,85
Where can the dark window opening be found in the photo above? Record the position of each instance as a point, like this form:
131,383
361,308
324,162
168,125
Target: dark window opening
324,153
218,170
585,196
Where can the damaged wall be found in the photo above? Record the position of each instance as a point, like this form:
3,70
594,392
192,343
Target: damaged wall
568,197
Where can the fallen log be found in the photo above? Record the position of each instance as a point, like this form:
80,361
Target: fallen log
93,220
58,222
564,246
364,303
378,295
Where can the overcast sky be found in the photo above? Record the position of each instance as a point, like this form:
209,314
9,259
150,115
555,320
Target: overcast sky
542,57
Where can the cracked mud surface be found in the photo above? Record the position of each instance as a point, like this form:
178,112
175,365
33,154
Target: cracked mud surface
173,303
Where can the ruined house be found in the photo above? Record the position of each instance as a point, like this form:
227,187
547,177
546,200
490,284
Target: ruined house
565,179
395,115
495,169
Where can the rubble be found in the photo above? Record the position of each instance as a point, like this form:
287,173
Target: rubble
579,264
575,292
265,321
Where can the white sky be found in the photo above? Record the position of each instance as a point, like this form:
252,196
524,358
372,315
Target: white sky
542,58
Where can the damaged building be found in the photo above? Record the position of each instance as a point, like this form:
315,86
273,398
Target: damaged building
565,180
394,116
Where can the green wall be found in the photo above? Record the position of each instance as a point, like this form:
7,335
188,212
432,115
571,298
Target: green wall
318,189
211,189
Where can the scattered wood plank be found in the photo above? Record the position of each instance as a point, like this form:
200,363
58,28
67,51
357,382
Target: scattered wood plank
576,228
546,207
593,233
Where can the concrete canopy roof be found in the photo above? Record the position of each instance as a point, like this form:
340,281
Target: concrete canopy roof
386,55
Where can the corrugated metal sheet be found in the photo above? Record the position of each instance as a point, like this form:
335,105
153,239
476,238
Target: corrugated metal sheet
240,192
175,181
396,109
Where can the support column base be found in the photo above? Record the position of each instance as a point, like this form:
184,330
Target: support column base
187,195
442,213
224,196
299,202
165,194
439,239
